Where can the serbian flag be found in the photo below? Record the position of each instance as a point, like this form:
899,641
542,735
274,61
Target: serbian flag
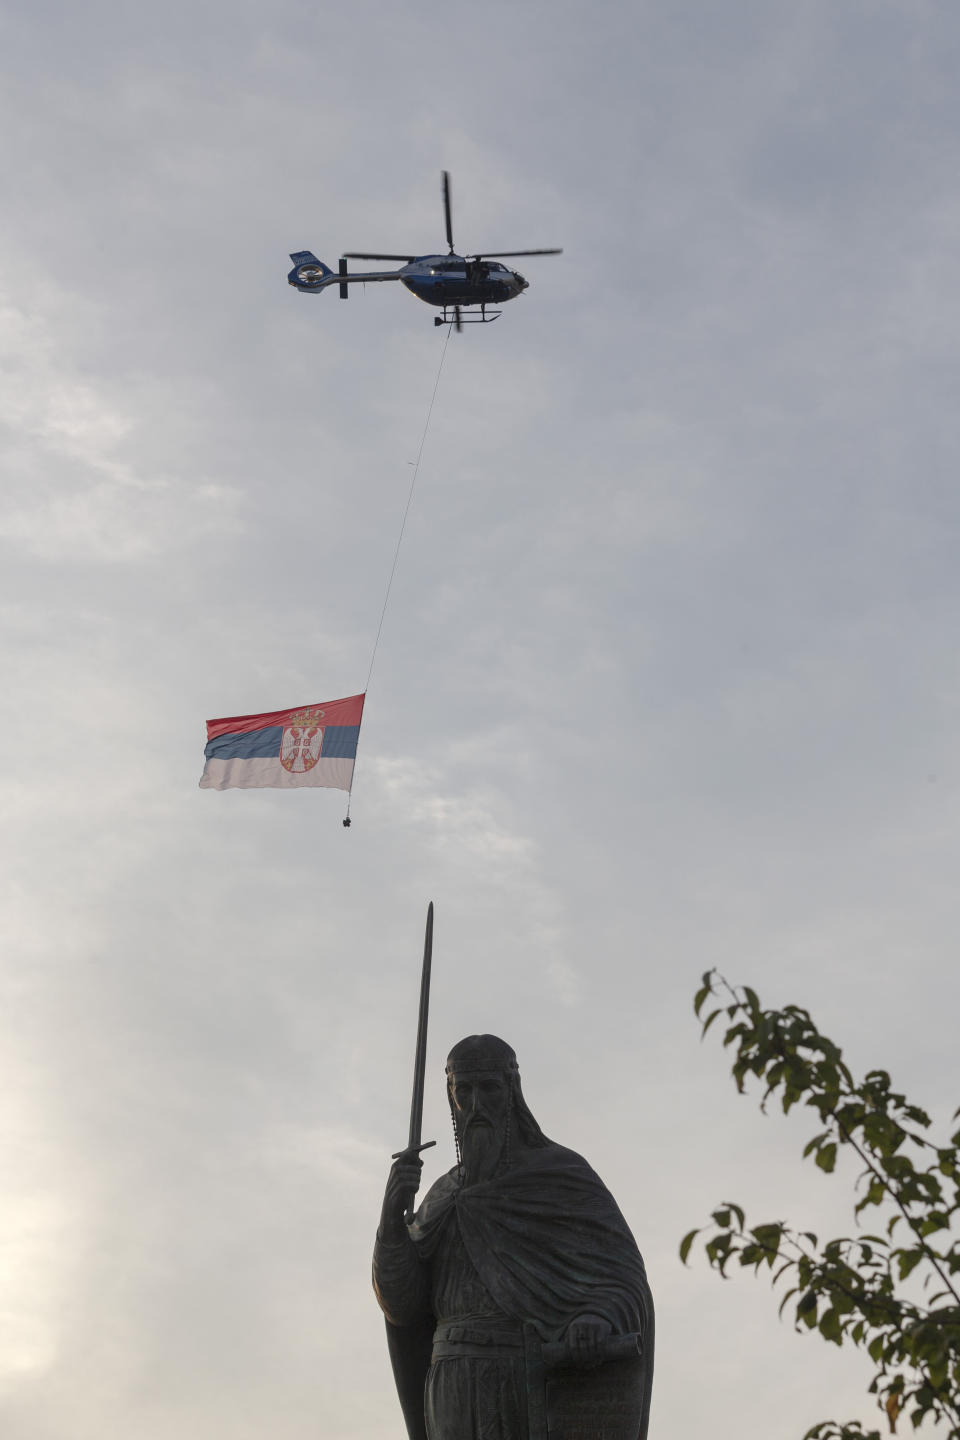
311,745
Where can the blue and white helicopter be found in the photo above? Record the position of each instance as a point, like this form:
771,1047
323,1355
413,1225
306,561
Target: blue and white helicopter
454,282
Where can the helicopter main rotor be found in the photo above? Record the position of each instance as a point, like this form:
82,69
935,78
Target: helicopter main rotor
448,222
446,209
480,254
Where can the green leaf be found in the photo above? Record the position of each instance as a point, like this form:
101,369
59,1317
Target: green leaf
685,1244
709,1021
701,996
737,1211
790,1293
827,1157
909,1260
769,1238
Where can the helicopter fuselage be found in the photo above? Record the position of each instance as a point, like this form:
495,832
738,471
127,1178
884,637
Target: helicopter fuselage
456,280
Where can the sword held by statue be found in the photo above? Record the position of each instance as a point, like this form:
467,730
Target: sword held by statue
414,1144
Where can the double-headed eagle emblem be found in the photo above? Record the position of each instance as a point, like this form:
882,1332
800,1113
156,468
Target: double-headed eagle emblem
302,741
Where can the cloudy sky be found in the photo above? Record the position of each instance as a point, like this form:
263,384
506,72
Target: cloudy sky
668,679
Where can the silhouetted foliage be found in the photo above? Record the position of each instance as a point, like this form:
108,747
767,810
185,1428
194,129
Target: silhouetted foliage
852,1289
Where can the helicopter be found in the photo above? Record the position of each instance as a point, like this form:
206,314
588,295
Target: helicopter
453,282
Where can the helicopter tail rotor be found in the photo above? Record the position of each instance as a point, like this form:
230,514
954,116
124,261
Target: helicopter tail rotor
308,272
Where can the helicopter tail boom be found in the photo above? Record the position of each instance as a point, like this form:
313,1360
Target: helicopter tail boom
310,275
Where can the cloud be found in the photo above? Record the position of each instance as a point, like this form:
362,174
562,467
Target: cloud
80,487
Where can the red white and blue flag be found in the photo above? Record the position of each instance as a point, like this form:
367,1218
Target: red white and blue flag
310,745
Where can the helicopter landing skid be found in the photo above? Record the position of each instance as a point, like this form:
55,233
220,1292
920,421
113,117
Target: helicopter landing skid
455,315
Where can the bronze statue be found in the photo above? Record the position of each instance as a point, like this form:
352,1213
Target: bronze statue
516,1300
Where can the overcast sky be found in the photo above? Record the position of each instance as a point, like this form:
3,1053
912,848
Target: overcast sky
668,678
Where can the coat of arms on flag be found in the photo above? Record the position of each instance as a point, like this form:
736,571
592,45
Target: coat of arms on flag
302,741
309,745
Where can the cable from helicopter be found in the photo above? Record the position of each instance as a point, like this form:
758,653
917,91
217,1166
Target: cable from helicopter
396,552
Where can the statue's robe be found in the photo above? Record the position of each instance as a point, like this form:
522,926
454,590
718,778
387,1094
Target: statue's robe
539,1246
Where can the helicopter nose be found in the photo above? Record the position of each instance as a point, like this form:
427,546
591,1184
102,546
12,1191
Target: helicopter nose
523,283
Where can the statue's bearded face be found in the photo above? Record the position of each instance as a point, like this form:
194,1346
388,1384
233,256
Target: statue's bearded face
481,1105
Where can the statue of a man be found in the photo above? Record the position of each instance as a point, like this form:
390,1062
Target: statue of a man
516,1300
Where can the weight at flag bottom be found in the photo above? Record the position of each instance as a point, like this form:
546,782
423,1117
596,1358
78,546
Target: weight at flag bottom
309,745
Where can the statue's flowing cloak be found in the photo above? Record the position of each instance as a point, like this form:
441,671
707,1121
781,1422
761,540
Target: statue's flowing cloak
549,1244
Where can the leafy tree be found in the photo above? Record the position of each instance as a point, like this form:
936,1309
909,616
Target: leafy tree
893,1293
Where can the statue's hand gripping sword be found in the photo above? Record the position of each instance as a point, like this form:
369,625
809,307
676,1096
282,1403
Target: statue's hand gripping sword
414,1145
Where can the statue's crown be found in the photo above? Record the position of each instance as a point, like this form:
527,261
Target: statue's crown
481,1052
